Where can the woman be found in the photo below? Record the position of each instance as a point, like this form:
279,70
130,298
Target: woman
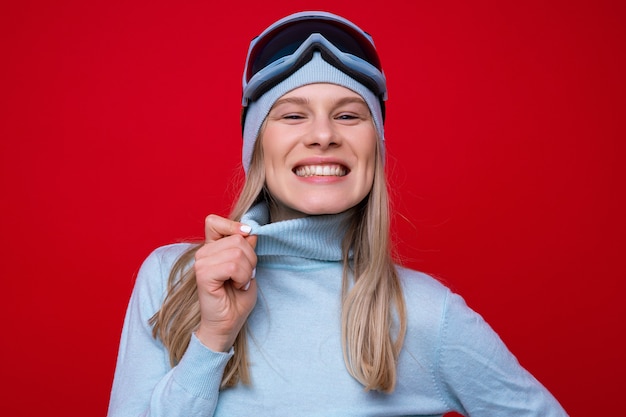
294,305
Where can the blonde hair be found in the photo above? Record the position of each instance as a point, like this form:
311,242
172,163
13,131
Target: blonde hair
373,317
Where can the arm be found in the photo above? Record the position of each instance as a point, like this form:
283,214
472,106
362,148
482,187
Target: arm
482,375
144,383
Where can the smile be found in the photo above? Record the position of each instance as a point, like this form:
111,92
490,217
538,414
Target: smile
321,171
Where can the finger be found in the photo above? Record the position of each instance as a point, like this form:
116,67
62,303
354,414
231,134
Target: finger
253,275
214,277
252,239
240,273
228,248
216,227
237,269
248,285
230,258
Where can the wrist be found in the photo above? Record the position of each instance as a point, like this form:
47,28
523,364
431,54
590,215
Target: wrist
216,343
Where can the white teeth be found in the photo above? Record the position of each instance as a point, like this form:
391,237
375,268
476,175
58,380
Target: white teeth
321,171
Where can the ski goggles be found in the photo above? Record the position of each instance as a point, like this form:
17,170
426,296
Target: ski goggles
284,47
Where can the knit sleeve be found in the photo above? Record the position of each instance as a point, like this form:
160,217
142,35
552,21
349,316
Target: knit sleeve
481,375
144,383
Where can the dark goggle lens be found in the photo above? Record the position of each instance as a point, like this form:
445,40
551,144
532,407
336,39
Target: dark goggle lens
286,39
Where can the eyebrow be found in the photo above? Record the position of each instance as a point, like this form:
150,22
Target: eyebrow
348,100
303,100
293,100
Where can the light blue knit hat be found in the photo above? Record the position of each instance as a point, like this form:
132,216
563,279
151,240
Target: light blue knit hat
315,71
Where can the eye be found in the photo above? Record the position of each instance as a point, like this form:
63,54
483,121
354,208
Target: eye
351,112
292,116
347,116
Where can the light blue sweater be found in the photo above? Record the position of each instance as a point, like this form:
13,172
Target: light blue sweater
451,360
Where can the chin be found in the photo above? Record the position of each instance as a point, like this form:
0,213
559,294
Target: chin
325,210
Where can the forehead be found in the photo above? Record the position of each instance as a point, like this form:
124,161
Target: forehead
322,91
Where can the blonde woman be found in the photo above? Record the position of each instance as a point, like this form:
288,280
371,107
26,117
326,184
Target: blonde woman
294,305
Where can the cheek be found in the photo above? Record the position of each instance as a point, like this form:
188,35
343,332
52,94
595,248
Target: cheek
271,165
271,161
367,155
372,160
274,143
370,154
269,151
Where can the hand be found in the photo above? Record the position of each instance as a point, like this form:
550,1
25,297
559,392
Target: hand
227,292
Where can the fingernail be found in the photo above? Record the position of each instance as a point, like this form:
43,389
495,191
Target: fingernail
245,228
253,273
247,286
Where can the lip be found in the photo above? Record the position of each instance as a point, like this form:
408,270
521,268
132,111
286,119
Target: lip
321,161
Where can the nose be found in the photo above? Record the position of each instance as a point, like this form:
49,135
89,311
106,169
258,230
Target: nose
323,134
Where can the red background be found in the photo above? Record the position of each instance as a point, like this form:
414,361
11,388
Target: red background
119,132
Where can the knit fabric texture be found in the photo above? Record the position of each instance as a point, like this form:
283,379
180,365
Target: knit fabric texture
451,359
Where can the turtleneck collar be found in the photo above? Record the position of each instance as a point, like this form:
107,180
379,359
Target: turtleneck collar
313,238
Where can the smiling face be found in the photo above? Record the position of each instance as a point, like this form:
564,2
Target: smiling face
319,151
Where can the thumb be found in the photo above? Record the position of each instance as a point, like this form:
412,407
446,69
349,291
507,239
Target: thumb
251,239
